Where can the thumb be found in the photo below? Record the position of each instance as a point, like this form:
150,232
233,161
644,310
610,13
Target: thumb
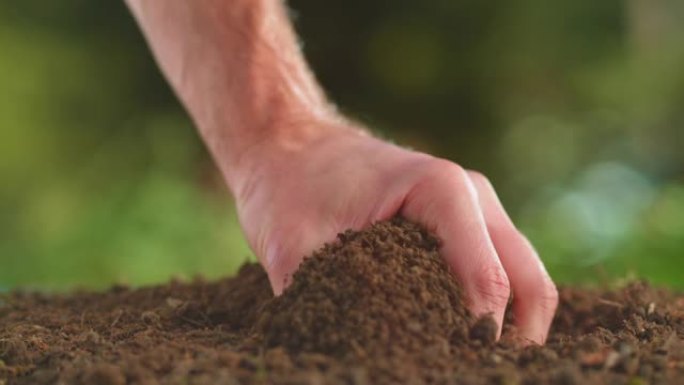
286,249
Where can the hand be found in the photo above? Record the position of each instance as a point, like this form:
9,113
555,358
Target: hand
298,199
298,185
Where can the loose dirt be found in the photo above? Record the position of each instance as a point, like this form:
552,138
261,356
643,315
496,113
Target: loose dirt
376,307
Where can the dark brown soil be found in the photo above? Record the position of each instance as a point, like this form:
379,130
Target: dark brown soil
376,307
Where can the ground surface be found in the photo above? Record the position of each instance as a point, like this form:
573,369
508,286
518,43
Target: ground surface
377,307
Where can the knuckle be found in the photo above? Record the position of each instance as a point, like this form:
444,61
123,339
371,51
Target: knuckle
492,284
478,177
449,167
444,171
480,180
436,181
549,296
542,292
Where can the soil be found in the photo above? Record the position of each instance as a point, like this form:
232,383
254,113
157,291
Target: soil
376,307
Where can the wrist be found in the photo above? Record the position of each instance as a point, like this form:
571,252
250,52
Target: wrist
285,142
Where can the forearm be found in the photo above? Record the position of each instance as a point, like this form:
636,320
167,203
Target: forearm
237,68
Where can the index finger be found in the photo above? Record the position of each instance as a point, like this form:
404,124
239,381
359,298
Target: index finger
445,201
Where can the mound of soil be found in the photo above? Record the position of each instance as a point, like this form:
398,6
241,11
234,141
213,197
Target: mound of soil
382,291
376,307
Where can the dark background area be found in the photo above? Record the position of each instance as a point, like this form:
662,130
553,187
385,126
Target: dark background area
574,109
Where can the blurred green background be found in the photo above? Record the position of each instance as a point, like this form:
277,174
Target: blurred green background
574,109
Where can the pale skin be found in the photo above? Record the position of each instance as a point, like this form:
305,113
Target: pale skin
301,173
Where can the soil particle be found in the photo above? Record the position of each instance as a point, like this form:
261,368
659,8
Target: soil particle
484,330
377,306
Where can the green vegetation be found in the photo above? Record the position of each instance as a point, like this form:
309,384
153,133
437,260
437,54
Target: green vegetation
573,108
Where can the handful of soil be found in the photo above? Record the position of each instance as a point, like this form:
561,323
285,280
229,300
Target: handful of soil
382,291
378,306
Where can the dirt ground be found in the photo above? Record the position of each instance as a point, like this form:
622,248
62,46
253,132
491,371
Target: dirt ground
376,307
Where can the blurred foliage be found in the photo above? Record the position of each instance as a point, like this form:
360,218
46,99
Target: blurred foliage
573,108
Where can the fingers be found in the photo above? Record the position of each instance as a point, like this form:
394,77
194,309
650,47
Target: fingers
535,297
446,202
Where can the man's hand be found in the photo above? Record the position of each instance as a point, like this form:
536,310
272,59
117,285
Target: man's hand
301,174
296,200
